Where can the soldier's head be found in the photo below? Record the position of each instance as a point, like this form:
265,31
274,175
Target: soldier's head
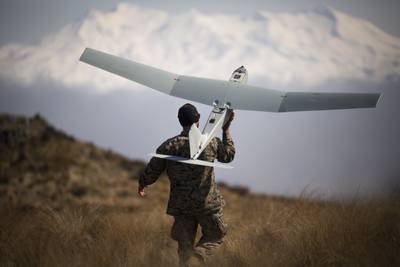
188,115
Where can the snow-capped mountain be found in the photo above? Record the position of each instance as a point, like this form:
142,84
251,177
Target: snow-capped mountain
280,50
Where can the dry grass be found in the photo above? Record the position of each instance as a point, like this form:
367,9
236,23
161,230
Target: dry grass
262,232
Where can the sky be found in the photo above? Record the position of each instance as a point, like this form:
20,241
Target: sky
303,45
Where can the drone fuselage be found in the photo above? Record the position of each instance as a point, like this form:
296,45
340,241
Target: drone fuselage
217,118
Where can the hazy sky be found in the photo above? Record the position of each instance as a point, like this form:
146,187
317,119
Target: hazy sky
291,45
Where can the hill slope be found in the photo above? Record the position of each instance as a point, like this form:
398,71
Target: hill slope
40,164
64,202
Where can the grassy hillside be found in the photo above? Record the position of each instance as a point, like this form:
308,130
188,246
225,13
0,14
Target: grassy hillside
64,202
41,165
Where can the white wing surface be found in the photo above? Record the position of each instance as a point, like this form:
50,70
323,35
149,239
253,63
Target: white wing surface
303,101
237,95
157,79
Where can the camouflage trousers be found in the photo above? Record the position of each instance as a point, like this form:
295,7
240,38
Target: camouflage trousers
184,231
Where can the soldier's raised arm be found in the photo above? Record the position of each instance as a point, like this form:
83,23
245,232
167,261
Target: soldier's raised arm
226,148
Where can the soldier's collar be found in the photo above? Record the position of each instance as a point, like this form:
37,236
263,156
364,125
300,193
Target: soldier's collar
185,131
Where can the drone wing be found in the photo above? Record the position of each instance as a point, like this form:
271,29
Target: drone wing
303,101
237,95
247,97
157,79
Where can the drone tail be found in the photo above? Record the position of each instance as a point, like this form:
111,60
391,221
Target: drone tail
192,161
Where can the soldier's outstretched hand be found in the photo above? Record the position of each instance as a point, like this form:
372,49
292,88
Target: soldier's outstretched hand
228,122
141,191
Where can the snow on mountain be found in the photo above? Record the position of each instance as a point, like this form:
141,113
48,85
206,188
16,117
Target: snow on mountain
280,50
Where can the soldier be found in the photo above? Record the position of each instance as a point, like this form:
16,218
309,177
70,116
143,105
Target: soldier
194,197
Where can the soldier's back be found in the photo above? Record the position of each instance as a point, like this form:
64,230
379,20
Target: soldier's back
193,187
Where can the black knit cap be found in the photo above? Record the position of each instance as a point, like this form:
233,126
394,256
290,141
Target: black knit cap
188,115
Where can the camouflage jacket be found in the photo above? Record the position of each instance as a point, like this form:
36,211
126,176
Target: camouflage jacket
193,189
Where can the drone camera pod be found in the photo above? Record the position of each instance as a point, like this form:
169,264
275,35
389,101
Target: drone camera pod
239,75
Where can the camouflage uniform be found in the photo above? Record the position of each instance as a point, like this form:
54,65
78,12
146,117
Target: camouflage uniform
194,196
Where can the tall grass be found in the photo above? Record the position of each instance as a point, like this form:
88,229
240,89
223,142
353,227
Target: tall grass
262,232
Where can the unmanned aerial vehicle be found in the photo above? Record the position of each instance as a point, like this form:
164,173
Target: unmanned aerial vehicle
223,96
